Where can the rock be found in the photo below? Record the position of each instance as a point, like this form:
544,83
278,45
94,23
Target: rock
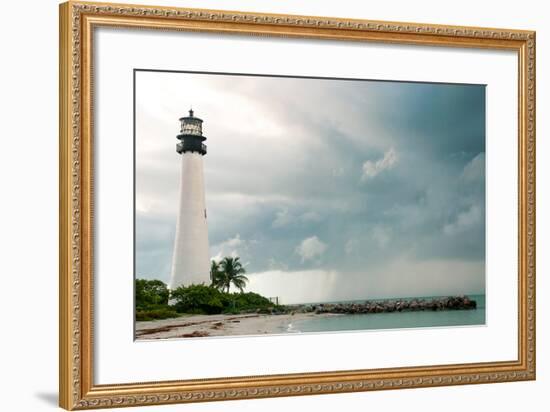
435,304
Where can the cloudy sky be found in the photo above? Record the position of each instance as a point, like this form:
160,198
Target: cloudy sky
326,189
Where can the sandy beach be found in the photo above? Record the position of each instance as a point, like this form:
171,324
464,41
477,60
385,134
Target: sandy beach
192,326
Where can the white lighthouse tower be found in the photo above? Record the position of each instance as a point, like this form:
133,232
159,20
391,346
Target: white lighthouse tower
191,260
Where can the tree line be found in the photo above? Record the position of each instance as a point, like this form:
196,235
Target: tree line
154,300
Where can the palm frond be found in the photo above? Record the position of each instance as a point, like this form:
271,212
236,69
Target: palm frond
232,273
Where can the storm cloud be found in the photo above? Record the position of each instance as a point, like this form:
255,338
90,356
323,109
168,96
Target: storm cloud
326,189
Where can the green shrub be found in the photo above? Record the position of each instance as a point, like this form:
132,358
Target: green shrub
152,301
250,300
155,313
150,293
199,299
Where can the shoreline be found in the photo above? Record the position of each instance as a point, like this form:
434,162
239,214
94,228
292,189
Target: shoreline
250,324
195,326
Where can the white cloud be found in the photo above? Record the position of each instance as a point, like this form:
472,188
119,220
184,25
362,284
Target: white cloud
232,247
464,221
311,248
475,169
282,218
218,257
274,264
234,242
372,169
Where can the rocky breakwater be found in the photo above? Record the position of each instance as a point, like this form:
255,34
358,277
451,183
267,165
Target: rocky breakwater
399,305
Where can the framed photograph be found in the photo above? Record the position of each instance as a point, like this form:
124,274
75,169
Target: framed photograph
328,205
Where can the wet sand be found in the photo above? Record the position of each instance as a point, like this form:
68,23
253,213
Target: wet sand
193,326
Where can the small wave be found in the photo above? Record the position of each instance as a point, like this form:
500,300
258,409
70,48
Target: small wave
291,329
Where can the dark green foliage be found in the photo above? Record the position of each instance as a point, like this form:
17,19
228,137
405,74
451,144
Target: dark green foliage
199,299
250,300
152,296
154,313
151,293
215,272
152,300
209,300
229,271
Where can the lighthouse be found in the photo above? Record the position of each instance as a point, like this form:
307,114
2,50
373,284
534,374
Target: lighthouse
191,261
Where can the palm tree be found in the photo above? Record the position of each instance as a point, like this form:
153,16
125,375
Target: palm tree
229,271
215,272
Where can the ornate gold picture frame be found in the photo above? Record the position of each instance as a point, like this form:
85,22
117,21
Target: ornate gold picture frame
78,20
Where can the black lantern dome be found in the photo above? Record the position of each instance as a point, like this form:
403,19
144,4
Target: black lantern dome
191,138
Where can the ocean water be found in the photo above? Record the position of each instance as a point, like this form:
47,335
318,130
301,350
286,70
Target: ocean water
393,320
